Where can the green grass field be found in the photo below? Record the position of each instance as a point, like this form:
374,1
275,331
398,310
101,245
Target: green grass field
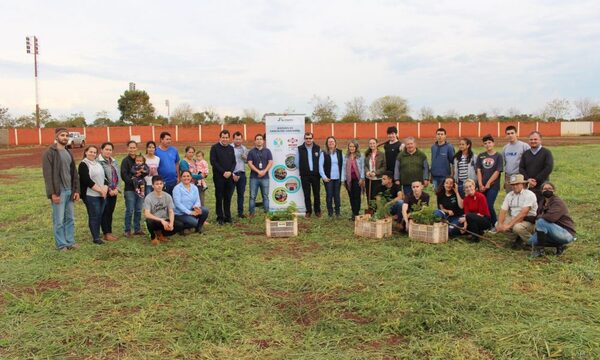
232,293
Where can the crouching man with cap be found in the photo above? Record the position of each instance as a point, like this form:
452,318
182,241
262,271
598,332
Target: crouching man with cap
62,187
518,211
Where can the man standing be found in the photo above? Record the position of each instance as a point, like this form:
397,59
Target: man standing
133,202
442,157
168,167
239,173
62,187
260,161
512,153
536,164
392,148
307,162
222,159
519,206
411,166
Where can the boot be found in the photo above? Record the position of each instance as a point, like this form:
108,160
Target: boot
538,250
560,249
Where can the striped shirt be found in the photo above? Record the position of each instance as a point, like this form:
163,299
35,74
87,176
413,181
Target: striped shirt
463,168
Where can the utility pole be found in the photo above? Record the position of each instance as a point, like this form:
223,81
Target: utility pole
168,105
35,54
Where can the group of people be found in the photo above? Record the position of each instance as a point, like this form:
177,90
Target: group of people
171,191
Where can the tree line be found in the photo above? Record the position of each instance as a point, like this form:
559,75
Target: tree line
136,109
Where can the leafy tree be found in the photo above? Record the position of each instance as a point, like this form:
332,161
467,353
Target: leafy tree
426,114
211,115
6,121
556,109
356,110
25,121
135,107
102,119
250,116
183,115
199,117
389,108
232,120
324,109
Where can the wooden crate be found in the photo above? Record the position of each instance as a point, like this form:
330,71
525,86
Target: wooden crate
432,234
377,229
286,228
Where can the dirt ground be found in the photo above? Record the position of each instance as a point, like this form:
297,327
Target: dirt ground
32,156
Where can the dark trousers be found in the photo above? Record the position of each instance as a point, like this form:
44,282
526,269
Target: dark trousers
192,222
168,187
154,226
311,182
332,195
107,214
95,208
477,224
240,189
223,194
372,187
354,194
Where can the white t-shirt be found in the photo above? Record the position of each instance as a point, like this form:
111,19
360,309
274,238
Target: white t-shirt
153,166
514,203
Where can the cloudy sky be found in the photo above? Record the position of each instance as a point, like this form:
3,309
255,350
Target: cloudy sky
462,56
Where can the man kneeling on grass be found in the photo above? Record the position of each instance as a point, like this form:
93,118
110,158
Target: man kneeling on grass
158,211
517,214
418,196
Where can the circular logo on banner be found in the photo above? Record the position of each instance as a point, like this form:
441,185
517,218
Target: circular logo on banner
292,184
279,173
290,161
279,195
278,142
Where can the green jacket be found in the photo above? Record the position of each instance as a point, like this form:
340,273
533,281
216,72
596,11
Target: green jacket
411,168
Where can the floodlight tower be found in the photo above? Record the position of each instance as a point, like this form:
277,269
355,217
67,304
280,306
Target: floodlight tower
35,54
168,105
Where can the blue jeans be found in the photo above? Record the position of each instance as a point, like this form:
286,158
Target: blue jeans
396,209
332,194
147,190
133,206
193,222
95,207
168,187
407,189
437,180
240,189
63,222
452,230
255,184
490,196
555,234
461,188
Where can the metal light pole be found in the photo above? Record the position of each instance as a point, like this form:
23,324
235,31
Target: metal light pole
35,54
168,105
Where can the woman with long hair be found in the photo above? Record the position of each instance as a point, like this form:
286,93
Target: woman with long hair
353,176
94,189
464,164
450,204
330,169
111,173
153,162
190,213
375,166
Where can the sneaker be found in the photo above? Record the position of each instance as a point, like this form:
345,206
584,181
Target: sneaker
492,230
560,250
74,246
127,234
98,242
538,251
63,249
139,232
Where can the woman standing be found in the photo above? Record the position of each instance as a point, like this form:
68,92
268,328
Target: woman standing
93,190
553,226
374,168
111,173
330,169
152,161
464,165
188,163
189,212
450,204
353,176
477,214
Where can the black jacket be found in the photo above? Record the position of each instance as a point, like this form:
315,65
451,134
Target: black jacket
303,160
51,171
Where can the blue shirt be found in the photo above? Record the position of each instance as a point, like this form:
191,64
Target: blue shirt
185,199
335,170
310,158
260,159
167,167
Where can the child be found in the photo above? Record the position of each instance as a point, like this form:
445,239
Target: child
202,168
138,173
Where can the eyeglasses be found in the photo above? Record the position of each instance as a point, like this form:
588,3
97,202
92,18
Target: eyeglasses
308,138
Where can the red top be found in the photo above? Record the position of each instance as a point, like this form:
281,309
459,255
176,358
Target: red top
476,204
